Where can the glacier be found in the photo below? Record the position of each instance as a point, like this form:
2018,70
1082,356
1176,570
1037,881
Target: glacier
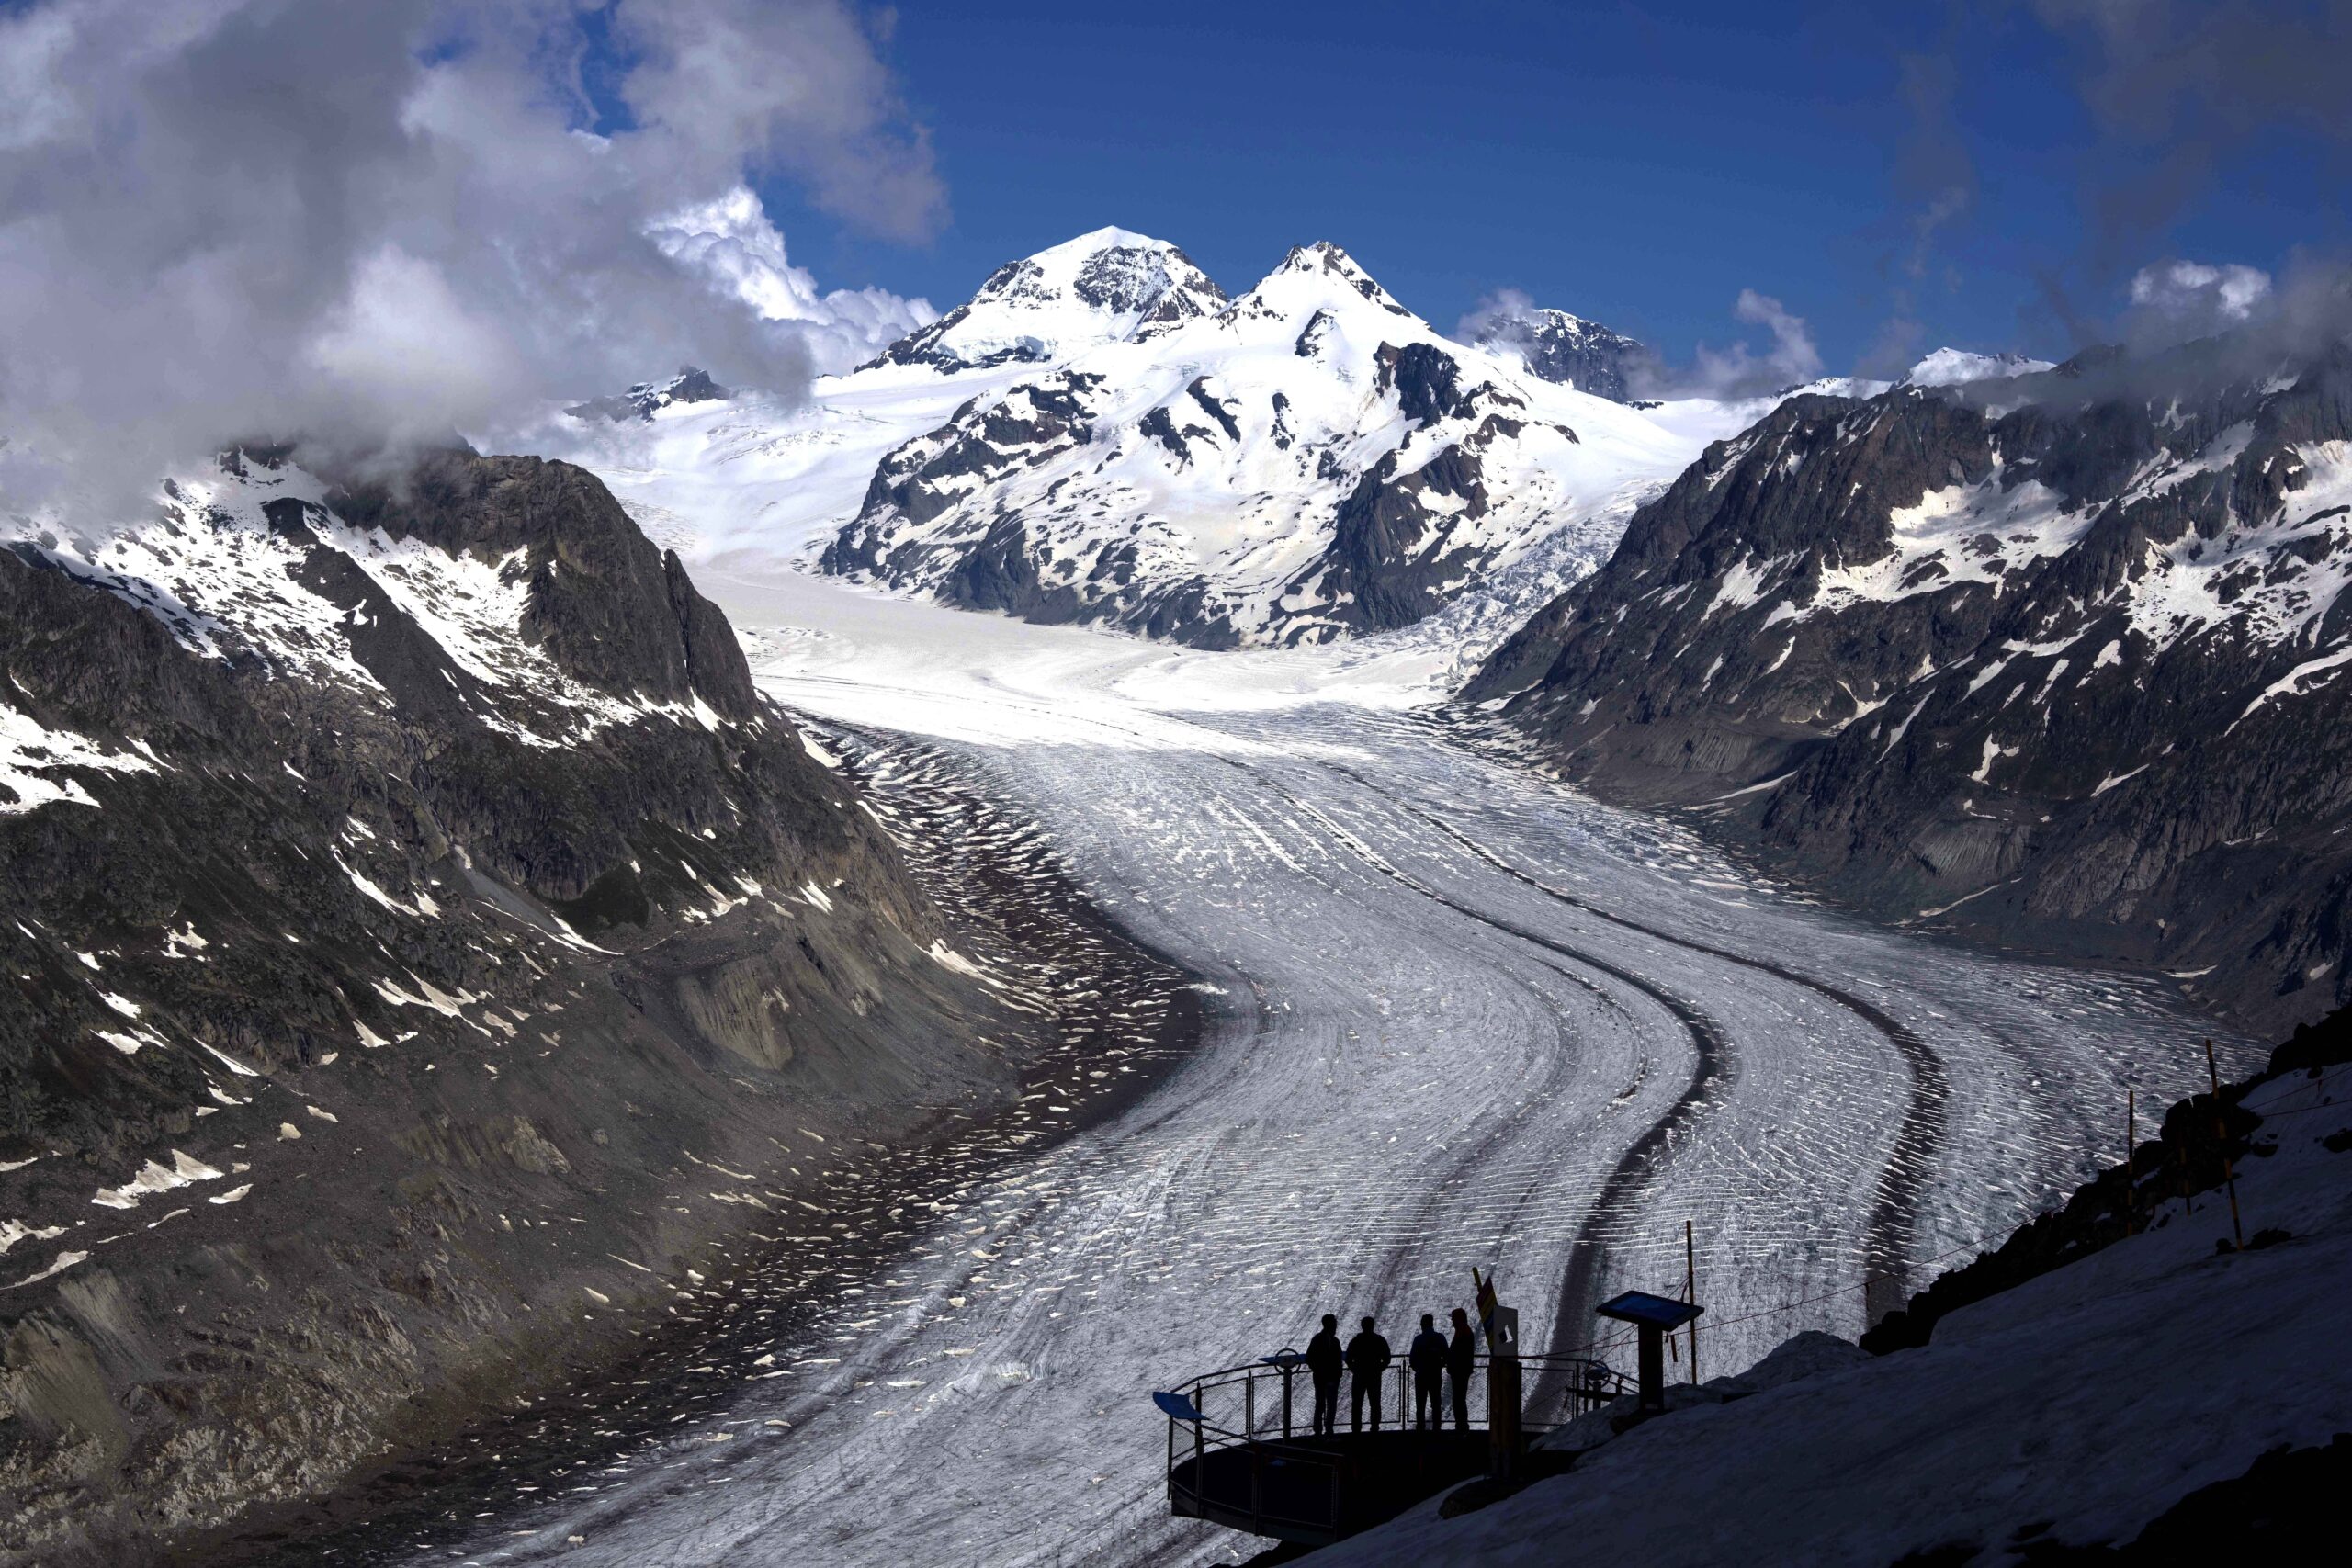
1458,1015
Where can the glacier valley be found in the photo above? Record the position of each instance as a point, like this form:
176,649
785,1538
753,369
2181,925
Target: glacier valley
1457,1015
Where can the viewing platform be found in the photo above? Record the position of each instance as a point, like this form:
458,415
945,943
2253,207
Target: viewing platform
1241,1452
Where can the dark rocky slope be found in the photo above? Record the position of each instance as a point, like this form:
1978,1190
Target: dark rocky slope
2056,659
418,938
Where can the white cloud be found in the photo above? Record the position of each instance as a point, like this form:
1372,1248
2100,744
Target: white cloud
402,332
1505,316
2199,296
1742,370
224,218
731,244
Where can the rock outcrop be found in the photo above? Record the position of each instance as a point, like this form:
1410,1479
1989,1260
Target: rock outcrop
649,397
1565,348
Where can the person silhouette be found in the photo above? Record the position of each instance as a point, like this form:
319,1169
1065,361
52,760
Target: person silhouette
1324,1359
1428,1356
1368,1357
1461,1355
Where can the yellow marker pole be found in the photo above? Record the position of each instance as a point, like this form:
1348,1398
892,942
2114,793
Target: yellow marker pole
1504,1394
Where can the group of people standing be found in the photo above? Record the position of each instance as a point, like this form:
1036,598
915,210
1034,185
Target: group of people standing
1436,1360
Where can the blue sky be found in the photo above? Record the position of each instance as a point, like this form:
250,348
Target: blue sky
1641,166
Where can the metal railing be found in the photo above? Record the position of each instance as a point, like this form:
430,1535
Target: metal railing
1265,1400
1251,1460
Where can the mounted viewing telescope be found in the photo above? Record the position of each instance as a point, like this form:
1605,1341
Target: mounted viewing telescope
1287,1361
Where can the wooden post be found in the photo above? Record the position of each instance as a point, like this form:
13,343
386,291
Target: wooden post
1690,1293
1650,1355
2221,1136
1502,1417
2131,1173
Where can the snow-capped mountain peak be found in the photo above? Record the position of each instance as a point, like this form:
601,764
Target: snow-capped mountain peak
1320,276
1952,367
1312,460
1109,285
1100,434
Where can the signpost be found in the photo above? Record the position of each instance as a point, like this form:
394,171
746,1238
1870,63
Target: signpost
1653,1318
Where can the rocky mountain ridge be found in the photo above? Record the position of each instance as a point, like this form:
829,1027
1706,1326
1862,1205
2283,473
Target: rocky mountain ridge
1567,349
1953,366
2054,658
423,937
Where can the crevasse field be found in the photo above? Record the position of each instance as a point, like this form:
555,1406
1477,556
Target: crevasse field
1460,1016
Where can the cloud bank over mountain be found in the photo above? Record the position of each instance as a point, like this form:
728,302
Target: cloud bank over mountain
740,253
487,205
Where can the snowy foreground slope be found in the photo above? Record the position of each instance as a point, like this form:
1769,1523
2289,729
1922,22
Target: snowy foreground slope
2073,1410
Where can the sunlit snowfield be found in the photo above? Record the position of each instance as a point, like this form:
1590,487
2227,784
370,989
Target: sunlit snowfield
1462,1017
